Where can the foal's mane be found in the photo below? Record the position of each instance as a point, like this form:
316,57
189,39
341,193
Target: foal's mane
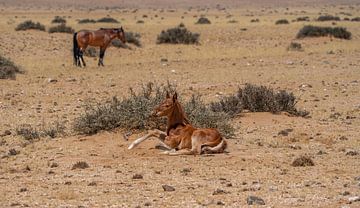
178,117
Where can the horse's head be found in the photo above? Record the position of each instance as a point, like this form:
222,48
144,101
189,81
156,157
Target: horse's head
121,34
167,106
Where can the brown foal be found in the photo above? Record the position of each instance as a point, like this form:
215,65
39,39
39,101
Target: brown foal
101,38
181,138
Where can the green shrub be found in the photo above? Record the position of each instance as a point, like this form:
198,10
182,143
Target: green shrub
178,35
282,21
203,20
62,28
85,21
108,20
30,25
8,69
58,19
328,18
316,31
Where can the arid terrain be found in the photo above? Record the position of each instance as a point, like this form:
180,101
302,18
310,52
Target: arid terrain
324,76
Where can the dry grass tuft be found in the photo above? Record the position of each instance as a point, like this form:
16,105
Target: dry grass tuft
8,69
80,165
62,28
303,161
30,25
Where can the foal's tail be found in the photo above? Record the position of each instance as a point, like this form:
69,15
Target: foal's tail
220,148
75,49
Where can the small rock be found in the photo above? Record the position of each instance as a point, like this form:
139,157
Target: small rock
23,189
173,71
219,191
354,199
6,133
254,200
51,80
54,165
68,183
137,176
164,60
220,203
168,188
13,152
92,183
351,153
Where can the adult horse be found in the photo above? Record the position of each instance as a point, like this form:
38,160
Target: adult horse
181,138
101,38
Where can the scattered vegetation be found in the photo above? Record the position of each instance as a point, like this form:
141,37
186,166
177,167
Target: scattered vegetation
316,31
91,52
355,19
131,37
80,165
62,28
282,22
203,20
254,20
86,21
8,69
30,25
303,161
107,20
135,113
140,22
295,47
58,19
232,21
178,35
30,133
328,18
303,19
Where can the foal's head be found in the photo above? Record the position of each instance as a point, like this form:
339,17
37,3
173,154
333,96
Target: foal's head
167,106
121,34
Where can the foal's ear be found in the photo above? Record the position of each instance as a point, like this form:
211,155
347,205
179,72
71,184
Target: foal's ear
175,96
167,94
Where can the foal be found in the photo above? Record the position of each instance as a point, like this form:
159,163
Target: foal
101,38
181,137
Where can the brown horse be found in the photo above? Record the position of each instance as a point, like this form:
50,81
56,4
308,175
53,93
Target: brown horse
181,138
101,38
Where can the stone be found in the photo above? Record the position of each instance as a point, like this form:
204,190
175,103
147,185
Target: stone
168,188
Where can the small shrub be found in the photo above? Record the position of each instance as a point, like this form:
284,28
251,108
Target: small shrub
86,21
30,25
61,29
231,105
178,35
328,18
254,20
80,165
28,132
295,47
140,22
282,21
203,20
108,20
303,161
54,130
316,31
131,37
8,69
232,21
58,19
91,52
355,19
302,19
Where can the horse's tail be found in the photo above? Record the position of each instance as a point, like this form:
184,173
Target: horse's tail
75,49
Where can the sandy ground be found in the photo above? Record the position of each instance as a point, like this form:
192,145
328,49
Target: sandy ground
325,77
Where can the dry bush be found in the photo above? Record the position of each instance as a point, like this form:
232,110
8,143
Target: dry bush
53,130
131,37
86,21
232,21
254,20
328,18
316,31
58,19
178,35
30,25
303,19
231,105
107,20
62,28
91,52
28,132
140,22
295,47
302,161
355,19
8,69
282,22
80,165
203,20
135,113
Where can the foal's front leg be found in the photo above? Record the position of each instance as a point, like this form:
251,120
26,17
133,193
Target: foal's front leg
152,133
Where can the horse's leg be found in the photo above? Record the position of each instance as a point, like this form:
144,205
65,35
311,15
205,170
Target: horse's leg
195,149
102,53
152,133
82,50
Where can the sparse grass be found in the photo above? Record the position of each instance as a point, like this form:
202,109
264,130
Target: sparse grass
30,25
295,47
203,20
316,31
53,130
80,165
86,21
140,22
107,20
8,69
58,19
131,37
62,28
282,22
303,161
28,132
178,35
328,18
